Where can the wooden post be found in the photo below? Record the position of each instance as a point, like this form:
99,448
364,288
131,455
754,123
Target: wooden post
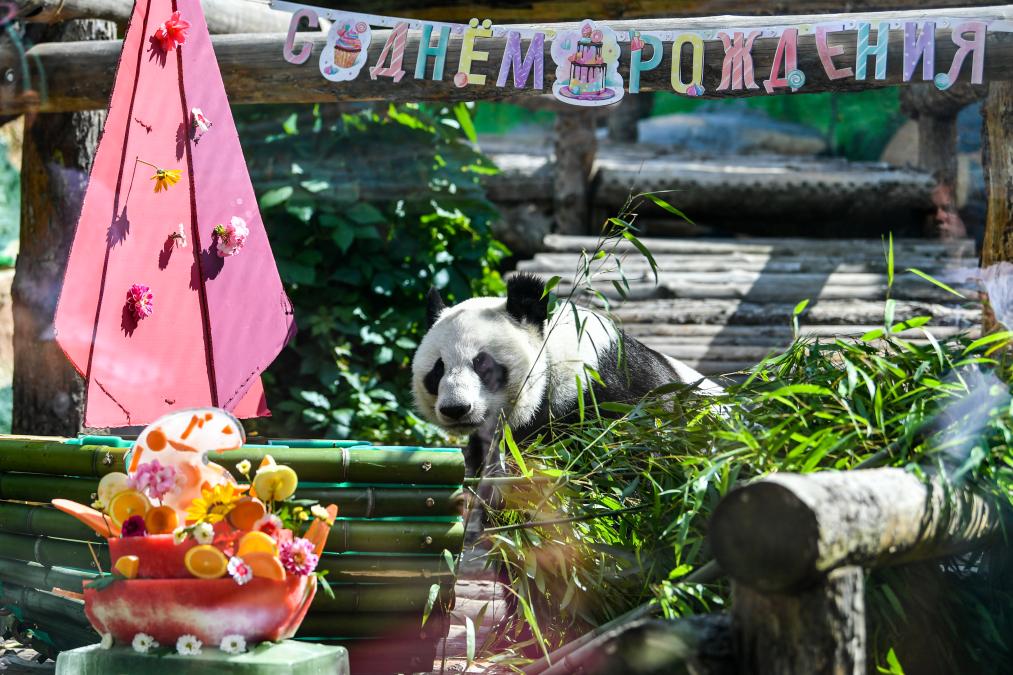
936,113
57,156
623,120
576,146
819,631
997,159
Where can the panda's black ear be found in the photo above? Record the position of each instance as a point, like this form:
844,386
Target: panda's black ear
525,301
434,305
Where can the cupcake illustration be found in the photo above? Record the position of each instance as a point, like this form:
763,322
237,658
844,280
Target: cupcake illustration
346,50
347,47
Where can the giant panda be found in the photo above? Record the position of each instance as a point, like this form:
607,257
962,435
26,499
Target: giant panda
487,356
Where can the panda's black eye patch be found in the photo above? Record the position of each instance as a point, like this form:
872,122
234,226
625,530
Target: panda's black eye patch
492,374
433,377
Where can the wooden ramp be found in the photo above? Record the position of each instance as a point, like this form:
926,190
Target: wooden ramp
721,305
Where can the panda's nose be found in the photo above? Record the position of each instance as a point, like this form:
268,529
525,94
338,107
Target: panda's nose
454,412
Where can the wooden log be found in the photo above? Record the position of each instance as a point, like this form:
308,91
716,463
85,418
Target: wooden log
44,578
35,602
787,531
378,598
223,16
576,145
57,154
54,552
997,161
79,76
44,521
384,626
819,631
567,10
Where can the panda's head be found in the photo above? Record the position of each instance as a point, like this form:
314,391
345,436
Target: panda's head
483,356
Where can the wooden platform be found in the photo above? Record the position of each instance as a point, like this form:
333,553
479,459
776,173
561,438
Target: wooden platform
721,305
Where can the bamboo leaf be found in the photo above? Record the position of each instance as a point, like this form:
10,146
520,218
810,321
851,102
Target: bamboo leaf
932,280
434,593
668,207
628,236
508,438
469,629
550,284
1001,336
463,116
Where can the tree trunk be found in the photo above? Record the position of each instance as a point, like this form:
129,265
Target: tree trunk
57,157
622,122
576,146
997,159
820,631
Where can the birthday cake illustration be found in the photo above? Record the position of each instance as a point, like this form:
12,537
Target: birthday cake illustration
587,67
199,558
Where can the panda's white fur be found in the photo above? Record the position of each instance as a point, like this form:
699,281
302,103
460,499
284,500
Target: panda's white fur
485,356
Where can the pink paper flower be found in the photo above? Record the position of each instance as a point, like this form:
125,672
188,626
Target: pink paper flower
239,570
141,301
172,33
269,524
232,237
134,527
156,480
298,557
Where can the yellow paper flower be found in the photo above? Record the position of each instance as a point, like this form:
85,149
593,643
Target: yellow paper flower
164,178
213,504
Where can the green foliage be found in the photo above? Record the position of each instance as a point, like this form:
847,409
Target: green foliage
614,513
365,211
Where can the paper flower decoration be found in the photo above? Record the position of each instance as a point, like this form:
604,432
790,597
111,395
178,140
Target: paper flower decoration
200,122
164,178
232,237
141,301
298,557
172,33
188,645
155,480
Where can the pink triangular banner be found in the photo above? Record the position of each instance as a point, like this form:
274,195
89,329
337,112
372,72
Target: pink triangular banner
217,322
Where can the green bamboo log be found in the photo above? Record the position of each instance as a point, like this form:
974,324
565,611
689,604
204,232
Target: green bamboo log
44,521
55,634
53,552
384,626
363,569
375,598
357,464
372,655
34,487
353,501
44,578
393,536
32,602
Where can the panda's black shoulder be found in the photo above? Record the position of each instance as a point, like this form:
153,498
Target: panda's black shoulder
630,369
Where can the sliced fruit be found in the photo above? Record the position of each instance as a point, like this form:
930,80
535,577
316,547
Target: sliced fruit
96,520
111,485
125,504
128,565
319,529
247,512
265,566
205,562
274,483
161,520
256,542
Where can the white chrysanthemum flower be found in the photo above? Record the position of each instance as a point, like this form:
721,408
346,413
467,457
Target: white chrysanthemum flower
320,513
188,645
204,533
179,535
233,644
244,467
107,641
143,642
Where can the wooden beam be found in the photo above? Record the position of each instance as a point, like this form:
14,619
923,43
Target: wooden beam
504,11
223,16
787,531
997,160
79,76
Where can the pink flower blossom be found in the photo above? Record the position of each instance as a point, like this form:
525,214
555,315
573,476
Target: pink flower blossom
269,524
298,557
156,480
172,33
240,571
134,527
141,301
232,237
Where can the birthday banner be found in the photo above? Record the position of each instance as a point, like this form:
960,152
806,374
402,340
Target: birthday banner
587,59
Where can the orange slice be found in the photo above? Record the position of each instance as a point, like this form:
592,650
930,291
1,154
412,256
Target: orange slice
265,566
245,513
127,566
205,562
111,485
125,504
161,520
256,542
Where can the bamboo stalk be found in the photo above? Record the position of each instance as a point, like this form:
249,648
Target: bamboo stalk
356,568
53,456
370,655
63,633
379,598
44,578
395,536
33,601
43,521
352,501
386,626
53,552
